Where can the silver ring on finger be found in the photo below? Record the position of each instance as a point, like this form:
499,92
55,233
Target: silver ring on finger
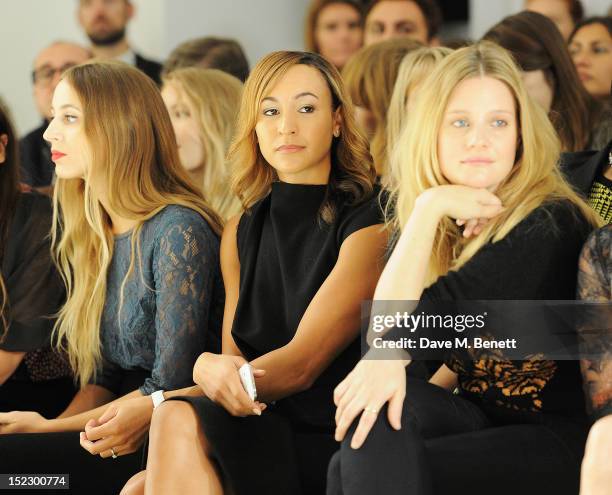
113,454
371,410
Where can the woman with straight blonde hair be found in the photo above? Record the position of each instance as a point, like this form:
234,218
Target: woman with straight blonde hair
203,104
415,67
370,75
296,266
484,214
138,249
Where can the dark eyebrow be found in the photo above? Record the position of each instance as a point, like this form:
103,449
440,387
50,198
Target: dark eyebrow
405,22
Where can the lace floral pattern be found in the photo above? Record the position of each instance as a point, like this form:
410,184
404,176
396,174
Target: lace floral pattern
172,302
595,284
516,385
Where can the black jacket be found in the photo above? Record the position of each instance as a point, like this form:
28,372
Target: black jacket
149,67
583,167
35,154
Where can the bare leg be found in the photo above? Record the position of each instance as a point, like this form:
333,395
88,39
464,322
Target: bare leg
178,460
135,485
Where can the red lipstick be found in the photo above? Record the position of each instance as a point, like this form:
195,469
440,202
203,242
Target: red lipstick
56,155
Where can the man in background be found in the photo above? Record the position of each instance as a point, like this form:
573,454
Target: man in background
105,23
416,19
37,169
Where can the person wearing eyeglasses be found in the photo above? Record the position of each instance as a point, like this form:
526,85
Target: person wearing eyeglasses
37,169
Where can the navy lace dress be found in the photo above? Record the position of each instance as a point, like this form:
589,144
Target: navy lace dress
172,306
171,312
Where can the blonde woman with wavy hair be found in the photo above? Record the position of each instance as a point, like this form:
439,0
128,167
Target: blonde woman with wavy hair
203,104
370,75
483,214
296,266
138,248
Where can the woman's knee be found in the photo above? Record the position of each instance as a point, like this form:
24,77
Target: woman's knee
135,485
174,417
334,483
380,429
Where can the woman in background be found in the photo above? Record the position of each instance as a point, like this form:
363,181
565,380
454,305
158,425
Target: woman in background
415,67
203,104
33,376
369,77
590,46
209,52
334,29
550,76
595,285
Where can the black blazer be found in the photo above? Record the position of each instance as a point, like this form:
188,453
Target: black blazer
149,67
35,155
582,168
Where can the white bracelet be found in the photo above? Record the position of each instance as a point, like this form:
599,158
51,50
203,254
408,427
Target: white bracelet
158,398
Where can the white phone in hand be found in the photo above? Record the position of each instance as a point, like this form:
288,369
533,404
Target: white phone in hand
248,381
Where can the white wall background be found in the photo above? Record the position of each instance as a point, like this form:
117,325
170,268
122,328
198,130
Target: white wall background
26,26
485,13
261,26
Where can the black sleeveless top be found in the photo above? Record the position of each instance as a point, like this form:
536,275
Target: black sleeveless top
286,252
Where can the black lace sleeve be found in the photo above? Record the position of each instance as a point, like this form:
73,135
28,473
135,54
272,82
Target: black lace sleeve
185,262
595,284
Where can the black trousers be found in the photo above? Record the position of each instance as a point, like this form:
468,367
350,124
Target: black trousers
448,444
61,453
49,398
268,454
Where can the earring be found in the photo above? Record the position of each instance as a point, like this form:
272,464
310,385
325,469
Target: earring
337,133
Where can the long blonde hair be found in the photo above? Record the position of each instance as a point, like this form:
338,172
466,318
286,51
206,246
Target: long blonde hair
415,67
216,98
135,160
370,75
352,172
534,179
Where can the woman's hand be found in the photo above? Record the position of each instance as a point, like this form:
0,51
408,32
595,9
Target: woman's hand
470,207
22,422
122,427
367,388
217,375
